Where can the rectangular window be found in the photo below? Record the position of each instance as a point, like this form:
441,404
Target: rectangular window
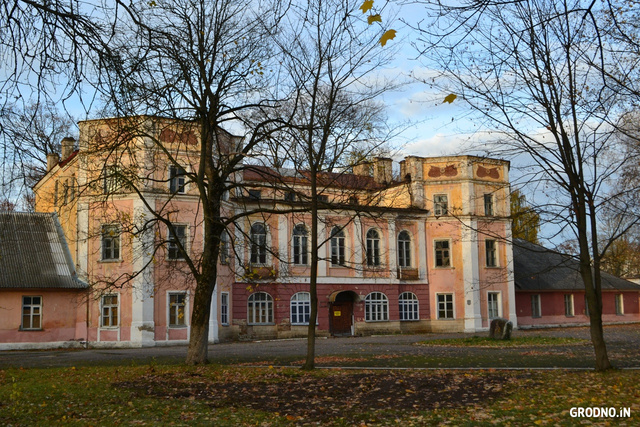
445,306
290,196
490,250
443,258
568,305
536,309
113,179
177,305
177,179
110,242
493,305
109,317
224,308
31,313
619,305
488,204
255,194
180,236
224,248
323,198
440,204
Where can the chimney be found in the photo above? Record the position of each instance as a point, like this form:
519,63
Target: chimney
382,170
52,160
67,147
362,169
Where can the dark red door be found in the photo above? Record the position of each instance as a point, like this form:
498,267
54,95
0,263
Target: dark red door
341,315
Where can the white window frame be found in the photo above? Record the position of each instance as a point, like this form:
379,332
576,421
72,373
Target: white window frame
536,306
376,307
112,180
405,250
172,245
300,245
569,310
445,303
258,247
619,298
115,246
34,311
491,253
494,305
176,308
372,249
409,307
177,179
300,309
224,308
338,247
114,320
261,309
435,253
440,204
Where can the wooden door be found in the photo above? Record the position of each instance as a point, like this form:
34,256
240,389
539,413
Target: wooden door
341,317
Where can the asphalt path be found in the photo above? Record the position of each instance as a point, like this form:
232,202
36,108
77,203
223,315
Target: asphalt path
620,338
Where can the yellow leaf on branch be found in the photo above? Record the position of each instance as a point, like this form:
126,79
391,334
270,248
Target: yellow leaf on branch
366,6
374,18
450,98
389,35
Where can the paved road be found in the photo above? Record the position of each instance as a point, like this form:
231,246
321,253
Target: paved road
623,340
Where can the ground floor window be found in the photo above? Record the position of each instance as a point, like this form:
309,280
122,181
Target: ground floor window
109,317
493,305
224,308
31,313
300,308
445,306
568,305
619,305
376,307
260,309
408,305
177,306
535,306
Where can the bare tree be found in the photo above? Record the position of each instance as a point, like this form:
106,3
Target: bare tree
537,74
332,119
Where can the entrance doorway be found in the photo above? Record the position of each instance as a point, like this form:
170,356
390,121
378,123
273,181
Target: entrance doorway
341,314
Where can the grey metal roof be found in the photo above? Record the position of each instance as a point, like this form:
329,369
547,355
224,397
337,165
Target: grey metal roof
537,268
34,253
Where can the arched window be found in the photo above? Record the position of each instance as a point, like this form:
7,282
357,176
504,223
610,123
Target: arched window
260,309
404,249
408,304
258,243
300,245
373,248
300,308
376,307
337,246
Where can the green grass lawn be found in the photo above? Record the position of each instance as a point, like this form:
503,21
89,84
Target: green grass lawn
158,394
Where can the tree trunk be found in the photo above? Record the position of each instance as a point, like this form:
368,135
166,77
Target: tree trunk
198,351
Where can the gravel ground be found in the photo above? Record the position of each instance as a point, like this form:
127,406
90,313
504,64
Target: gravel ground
623,342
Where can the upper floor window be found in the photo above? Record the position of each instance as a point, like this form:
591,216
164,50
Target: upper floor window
177,237
373,248
109,316
442,255
490,249
258,243
404,249
113,179
177,179
31,313
255,194
300,245
488,204
440,204
376,307
338,255
224,248
110,236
